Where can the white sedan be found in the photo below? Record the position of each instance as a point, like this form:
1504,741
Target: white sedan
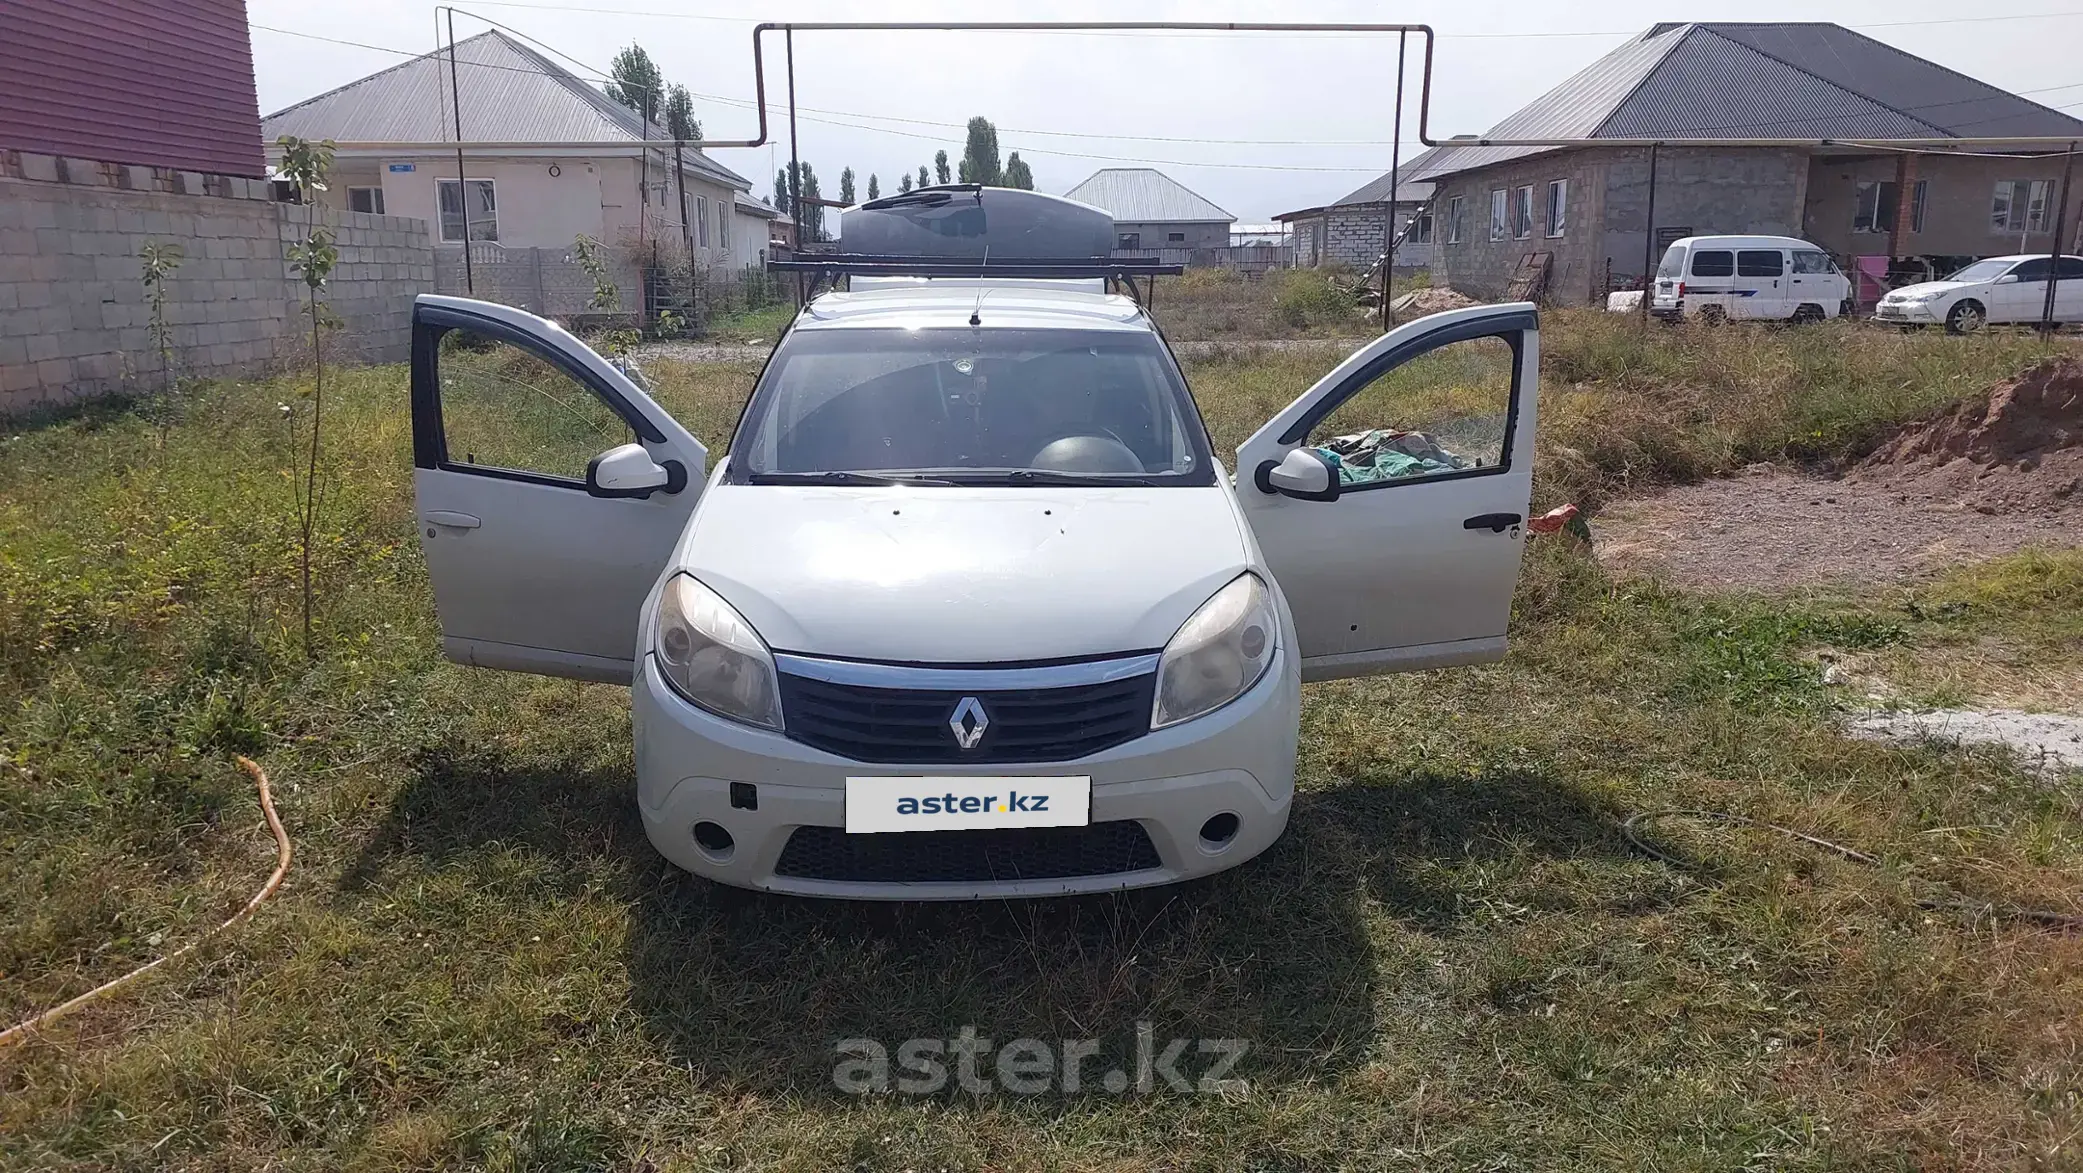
1998,289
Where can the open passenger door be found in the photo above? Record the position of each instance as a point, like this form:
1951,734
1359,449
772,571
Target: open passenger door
1390,500
550,490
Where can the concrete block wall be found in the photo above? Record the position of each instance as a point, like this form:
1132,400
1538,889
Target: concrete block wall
544,281
73,316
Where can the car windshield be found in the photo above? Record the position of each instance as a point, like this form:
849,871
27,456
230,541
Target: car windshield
969,405
1983,271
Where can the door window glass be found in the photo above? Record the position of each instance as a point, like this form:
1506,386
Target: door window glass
1760,262
1443,413
1813,262
2033,270
506,407
2071,268
1714,262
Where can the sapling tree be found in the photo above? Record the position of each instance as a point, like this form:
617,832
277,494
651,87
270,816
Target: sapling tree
305,165
157,262
592,256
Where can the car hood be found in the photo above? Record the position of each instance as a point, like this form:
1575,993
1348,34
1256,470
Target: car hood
1924,287
965,575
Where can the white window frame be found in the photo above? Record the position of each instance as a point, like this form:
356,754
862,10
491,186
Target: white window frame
441,217
701,221
1453,219
375,207
1558,208
1522,212
724,212
1500,213
2039,205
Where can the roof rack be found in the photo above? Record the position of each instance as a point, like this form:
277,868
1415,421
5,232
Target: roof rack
830,267
869,265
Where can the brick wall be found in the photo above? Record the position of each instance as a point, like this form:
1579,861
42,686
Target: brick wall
73,318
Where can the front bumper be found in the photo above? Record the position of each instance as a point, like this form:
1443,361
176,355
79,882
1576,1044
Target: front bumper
1906,313
1238,760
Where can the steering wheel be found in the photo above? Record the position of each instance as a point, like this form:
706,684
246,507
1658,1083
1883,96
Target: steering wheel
1087,453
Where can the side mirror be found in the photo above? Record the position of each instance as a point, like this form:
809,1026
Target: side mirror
629,471
2006,279
1304,474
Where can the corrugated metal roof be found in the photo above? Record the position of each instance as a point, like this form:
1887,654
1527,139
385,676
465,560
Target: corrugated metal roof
1409,188
1141,195
745,203
1573,109
1805,80
1955,103
509,94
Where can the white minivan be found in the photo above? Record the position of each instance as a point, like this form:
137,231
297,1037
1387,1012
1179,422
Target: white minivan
1758,278
969,608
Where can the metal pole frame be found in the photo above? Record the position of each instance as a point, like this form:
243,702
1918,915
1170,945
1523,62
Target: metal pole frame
2061,215
455,101
1649,237
1388,258
795,162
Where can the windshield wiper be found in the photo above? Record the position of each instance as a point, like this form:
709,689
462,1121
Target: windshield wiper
843,477
1053,477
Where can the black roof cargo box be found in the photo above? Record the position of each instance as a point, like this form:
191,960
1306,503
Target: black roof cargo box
971,222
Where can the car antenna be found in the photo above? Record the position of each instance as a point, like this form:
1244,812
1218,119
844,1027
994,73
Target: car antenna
976,311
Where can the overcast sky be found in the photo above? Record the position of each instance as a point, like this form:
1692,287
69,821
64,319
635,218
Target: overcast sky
1264,123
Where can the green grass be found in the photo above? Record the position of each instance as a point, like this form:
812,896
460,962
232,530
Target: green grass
760,325
1453,959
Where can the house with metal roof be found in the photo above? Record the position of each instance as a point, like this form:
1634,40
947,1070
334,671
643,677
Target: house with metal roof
1151,210
1355,229
1820,104
545,157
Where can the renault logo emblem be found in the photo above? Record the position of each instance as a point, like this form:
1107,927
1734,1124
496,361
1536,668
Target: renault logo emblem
969,722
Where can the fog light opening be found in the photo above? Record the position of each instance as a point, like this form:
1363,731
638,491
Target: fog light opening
714,842
1217,832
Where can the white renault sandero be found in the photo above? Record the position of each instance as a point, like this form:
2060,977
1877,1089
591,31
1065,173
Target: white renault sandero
969,608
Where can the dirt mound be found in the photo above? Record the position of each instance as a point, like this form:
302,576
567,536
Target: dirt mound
1999,473
2038,412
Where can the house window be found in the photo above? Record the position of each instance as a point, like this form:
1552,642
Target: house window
1522,213
1873,207
1128,240
701,221
1558,205
483,210
365,199
2021,205
1500,213
1453,219
723,215
1421,227
1175,237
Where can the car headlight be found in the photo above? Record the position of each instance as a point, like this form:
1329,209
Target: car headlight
711,656
1920,298
1218,654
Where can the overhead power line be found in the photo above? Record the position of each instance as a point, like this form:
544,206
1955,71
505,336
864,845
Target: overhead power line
833,117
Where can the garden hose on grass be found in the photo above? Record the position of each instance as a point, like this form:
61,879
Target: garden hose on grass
22,1031
1956,903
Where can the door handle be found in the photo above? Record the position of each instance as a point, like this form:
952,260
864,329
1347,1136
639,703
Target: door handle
452,519
1496,523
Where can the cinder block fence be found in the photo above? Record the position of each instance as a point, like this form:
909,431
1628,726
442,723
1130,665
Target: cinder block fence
73,314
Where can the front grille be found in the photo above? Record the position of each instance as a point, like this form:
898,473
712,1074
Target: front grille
922,857
909,726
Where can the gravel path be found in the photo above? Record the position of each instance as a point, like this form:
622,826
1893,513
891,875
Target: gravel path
2045,741
1773,528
